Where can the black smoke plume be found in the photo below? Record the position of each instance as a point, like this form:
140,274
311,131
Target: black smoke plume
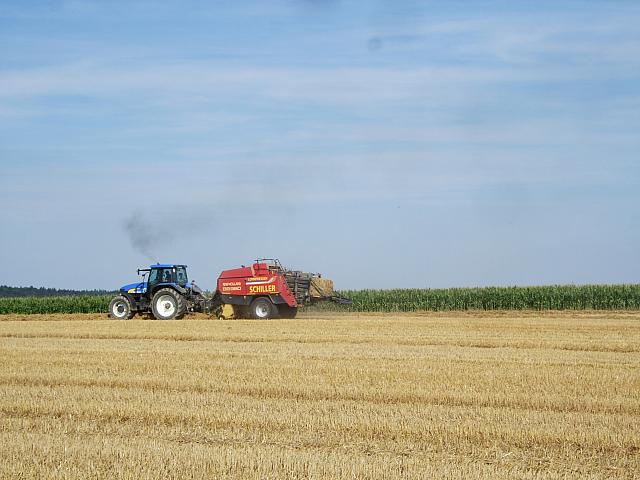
149,233
144,235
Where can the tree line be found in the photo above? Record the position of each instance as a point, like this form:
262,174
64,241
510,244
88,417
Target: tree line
7,291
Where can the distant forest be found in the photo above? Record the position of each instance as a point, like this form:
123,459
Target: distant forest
6,291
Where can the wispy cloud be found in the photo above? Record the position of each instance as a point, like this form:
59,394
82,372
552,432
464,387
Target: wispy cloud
340,83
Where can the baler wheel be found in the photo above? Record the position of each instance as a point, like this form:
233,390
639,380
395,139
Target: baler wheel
286,311
262,309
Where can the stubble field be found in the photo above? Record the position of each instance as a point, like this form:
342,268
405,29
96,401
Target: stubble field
444,395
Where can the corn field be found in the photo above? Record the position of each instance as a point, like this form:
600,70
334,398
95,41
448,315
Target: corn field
556,297
69,304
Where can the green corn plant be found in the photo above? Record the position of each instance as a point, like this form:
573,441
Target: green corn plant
554,297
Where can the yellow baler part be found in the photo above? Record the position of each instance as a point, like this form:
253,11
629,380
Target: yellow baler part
227,311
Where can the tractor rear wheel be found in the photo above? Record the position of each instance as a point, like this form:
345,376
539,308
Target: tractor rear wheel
167,304
120,308
262,309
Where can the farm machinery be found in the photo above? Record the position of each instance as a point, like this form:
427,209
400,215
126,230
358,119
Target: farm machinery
263,290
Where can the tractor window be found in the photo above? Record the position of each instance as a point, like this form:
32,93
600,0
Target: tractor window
153,276
167,277
181,275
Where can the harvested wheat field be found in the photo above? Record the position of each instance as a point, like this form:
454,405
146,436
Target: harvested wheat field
444,395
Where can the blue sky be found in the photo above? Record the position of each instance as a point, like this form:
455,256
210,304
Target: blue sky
385,144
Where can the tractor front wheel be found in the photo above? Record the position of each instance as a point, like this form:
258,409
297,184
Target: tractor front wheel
262,309
120,308
167,304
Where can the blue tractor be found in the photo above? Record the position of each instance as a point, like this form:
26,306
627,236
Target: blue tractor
164,291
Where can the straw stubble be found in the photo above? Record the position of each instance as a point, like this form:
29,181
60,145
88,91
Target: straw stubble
329,396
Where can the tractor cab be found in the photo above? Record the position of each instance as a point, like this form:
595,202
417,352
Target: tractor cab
160,274
167,274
